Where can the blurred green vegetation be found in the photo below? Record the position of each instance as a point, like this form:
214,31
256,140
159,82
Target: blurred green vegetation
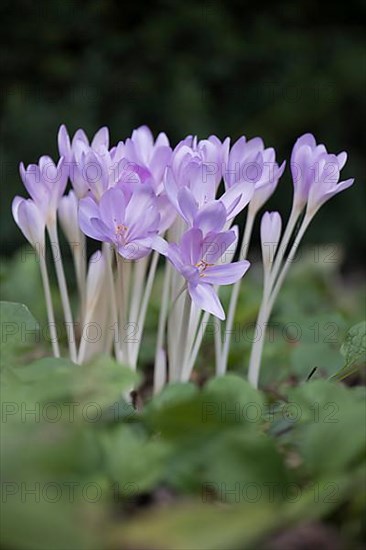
217,467
231,68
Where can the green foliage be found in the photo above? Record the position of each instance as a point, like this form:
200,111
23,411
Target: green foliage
19,332
222,466
353,350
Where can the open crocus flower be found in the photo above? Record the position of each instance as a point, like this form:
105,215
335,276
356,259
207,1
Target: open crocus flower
127,222
45,183
315,173
200,260
189,199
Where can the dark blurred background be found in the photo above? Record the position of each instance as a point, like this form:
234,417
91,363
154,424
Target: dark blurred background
274,69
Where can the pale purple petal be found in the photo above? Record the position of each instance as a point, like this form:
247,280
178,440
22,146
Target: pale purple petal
30,221
68,216
112,207
101,138
64,145
187,204
211,217
236,198
215,245
204,297
271,225
191,246
225,274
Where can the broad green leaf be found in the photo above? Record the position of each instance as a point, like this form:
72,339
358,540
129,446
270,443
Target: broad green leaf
353,350
244,466
198,526
172,394
94,385
235,396
133,462
354,347
306,357
330,432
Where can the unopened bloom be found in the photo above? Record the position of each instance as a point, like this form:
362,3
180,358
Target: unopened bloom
129,222
30,221
271,226
200,260
68,216
45,183
315,173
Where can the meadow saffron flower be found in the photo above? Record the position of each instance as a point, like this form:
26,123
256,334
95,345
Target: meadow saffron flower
188,200
68,216
30,221
197,164
315,173
132,195
127,222
249,162
271,225
151,157
67,147
45,183
201,261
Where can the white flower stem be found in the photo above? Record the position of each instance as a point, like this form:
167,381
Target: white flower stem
116,338
182,344
197,344
79,255
174,332
144,304
159,377
139,271
283,245
276,288
121,294
271,291
222,364
49,305
70,329
257,347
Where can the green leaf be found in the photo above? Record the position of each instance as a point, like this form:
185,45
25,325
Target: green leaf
134,462
91,388
236,397
197,526
305,357
19,332
330,429
353,350
246,467
172,394
354,347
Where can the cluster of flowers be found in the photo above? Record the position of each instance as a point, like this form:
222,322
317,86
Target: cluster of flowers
142,198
